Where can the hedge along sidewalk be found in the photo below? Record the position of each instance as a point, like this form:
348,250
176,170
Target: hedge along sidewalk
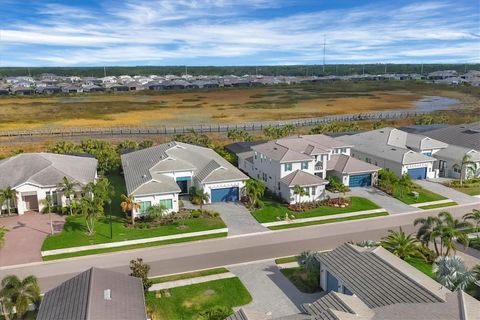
190,281
431,203
338,215
132,242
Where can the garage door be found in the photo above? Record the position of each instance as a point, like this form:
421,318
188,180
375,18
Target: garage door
360,180
332,283
225,194
418,173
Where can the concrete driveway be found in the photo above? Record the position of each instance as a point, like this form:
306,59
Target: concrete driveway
392,205
25,237
237,218
452,194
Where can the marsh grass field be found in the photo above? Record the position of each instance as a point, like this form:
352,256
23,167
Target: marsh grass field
225,105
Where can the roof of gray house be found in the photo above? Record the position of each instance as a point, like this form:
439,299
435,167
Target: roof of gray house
46,169
416,128
95,294
240,147
143,168
404,139
345,164
465,135
376,143
280,153
457,153
379,278
302,178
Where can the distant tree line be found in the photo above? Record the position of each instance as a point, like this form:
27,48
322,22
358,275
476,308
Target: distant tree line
295,70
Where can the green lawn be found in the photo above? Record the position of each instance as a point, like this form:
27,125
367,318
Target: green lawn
189,275
273,210
133,246
286,260
74,232
471,191
440,205
300,279
186,302
304,224
422,266
423,196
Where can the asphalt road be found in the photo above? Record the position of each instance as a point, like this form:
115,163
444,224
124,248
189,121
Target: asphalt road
228,251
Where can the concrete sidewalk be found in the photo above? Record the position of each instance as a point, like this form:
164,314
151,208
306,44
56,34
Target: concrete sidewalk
187,282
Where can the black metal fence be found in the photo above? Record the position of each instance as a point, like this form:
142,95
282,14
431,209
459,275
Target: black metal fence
206,128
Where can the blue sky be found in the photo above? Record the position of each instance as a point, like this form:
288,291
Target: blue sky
232,32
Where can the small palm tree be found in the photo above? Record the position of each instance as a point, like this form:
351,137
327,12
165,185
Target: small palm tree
9,194
68,188
405,183
156,211
452,273
403,245
254,190
47,204
429,231
19,293
200,196
452,231
128,205
91,208
474,216
308,260
299,192
3,233
466,166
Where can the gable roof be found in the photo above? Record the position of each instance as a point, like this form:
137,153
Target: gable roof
465,135
46,169
458,152
82,298
346,164
302,178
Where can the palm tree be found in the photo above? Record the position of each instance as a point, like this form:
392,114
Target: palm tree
68,188
405,183
308,260
451,231
466,166
474,216
255,190
91,208
156,211
2,201
299,192
47,204
3,233
452,273
200,196
429,231
403,245
19,293
8,194
129,205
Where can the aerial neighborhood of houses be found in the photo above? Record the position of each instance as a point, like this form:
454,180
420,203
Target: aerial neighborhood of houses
53,84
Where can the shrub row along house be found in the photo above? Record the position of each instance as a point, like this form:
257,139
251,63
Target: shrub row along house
158,175
34,176
305,161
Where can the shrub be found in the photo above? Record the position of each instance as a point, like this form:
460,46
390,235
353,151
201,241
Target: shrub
141,270
196,214
214,313
328,202
336,185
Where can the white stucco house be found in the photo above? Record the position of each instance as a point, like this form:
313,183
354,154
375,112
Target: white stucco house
35,175
397,151
305,160
158,175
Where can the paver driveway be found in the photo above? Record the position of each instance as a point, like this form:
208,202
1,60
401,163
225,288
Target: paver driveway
390,204
237,218
25,237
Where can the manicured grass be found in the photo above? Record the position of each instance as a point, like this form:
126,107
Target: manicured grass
423,196
189,275
422,266
286,260
471,191
131,247
74,232
440,205
299,277
184,303
273,210
304,224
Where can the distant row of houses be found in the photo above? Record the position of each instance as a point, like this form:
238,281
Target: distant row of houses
53,84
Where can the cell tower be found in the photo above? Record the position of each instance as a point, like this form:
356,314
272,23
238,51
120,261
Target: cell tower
324,45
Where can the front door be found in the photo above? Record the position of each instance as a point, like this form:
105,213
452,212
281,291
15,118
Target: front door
442,167
31,202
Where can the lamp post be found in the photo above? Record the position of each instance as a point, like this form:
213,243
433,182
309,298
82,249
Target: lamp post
110,217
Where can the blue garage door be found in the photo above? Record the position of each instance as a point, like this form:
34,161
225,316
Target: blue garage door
332,283
225,194
360,180
418,173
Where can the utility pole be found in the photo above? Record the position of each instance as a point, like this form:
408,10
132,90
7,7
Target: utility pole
421,72
363,70
29,72
324,45
186,71
465,71
104,71
385,68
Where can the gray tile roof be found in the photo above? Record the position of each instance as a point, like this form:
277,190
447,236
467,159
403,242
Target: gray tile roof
146,165
82,298
465,135
302,178
458,152
374,276
345,164
46,169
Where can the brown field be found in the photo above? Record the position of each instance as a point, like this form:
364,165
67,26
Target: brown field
214,106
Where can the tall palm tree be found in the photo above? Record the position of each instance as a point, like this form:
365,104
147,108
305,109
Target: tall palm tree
452,273
47,204
255,190
429,231
129,205
466,166
200,196
68,188
299,192
9,194
474,216
403,245
19,293
452,230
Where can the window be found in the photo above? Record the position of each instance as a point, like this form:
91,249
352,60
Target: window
456,168
144,205
287,167
305,165
166,203
55,198
312,191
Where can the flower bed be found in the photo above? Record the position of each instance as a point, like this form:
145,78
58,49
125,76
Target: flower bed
328,202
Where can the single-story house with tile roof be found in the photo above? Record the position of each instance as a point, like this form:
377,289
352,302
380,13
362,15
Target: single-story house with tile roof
397,151
158,175
95,294
449,162
36,175
465,135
